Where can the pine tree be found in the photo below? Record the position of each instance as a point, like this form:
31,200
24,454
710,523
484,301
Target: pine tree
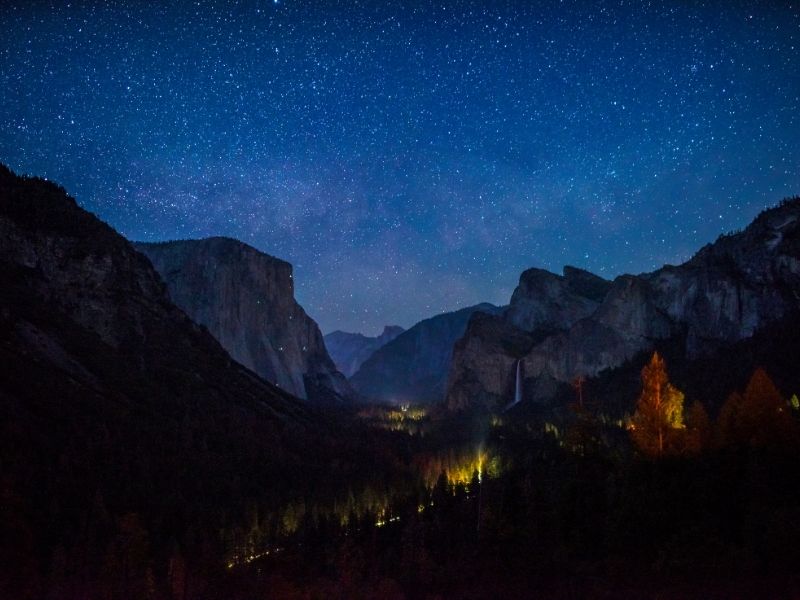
728,420
698,428
658,420
759,417
764,411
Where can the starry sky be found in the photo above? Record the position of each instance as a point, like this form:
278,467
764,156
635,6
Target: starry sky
411,157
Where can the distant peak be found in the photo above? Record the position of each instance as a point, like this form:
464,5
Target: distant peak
535,273
389,333
390,329
571,272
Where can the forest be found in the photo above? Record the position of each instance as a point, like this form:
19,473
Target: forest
668,498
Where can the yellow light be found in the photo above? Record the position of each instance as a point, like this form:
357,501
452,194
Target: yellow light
458,468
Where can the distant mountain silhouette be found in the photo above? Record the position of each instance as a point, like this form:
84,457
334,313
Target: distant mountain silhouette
350,350
413,367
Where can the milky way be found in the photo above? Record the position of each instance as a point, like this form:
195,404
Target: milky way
410,158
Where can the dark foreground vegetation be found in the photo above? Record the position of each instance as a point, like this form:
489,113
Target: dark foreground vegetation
471,508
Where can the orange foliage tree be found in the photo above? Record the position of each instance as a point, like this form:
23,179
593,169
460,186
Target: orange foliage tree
698,429
759,417
727,429
658,422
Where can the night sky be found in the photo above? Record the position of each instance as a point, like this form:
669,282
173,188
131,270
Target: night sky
411,157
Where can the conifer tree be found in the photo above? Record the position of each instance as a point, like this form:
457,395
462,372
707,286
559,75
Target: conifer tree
658,420
698,428
759,417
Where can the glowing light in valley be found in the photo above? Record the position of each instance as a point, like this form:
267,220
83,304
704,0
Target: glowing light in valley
459,467
382,522
246,560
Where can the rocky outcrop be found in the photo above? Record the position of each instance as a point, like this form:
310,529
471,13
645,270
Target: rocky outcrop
414,366
246,300
483,366
579,325
350,350
546,301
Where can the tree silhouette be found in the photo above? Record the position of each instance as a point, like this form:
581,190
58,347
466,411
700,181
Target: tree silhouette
727,421
658,421
698,429
759,417
577,384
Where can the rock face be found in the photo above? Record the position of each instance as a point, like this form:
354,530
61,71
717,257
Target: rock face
350,350
579,324
246,300
546,301
413,367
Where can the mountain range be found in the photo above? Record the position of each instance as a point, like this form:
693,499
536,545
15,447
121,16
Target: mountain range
577,325
559,327
413,367
350,350
169,412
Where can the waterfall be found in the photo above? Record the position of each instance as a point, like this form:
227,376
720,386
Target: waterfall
517,386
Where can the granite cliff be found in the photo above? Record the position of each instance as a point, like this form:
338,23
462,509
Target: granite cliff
246,300
578,325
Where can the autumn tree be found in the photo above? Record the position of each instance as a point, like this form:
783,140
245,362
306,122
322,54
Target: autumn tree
728,420
658,422
759,417
698,429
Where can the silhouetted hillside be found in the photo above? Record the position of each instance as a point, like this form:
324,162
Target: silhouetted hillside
130,442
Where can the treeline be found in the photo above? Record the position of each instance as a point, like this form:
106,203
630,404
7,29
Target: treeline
759,417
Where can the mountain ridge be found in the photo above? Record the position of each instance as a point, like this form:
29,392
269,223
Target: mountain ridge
723,293
350,350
